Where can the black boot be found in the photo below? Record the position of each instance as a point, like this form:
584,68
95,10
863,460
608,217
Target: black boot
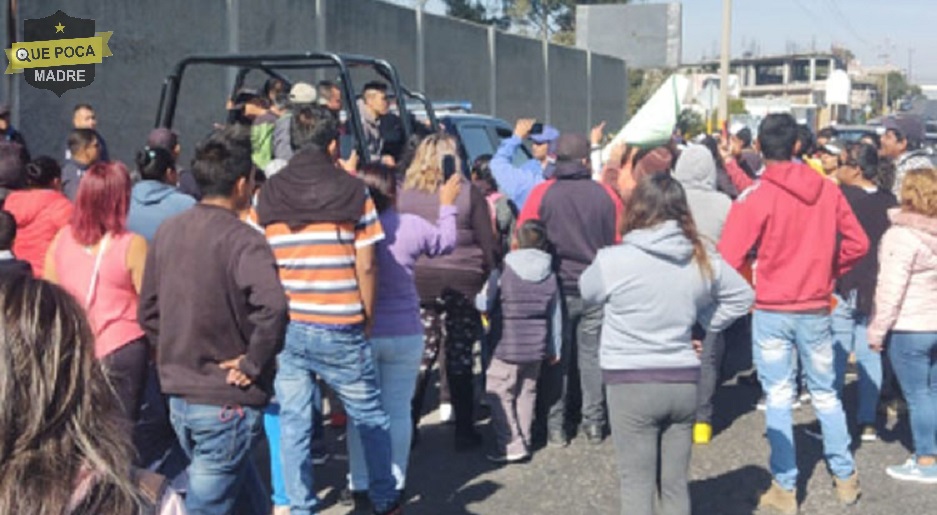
462,392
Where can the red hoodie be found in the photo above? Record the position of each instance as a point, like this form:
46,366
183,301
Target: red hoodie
39,216
795,218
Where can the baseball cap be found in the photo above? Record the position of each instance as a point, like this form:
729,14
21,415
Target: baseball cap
571,147
302,93
911,127
163,138
833,147
548,135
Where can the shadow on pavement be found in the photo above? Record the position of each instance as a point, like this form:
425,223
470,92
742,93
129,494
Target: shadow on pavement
732,493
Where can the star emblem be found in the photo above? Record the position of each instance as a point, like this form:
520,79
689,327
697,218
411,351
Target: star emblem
60,28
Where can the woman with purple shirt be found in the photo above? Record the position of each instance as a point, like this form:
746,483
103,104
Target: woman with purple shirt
397,334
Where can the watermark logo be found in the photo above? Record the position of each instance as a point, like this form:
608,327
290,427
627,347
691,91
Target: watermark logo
58,52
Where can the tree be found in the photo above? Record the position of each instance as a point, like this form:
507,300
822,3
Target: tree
553,19
899,88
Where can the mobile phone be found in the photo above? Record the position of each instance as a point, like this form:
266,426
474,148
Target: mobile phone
448,167
536,128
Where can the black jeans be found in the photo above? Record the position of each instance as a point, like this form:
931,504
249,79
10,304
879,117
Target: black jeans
714,348
126,368
581,334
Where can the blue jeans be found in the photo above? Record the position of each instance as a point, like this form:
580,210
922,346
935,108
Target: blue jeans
397,360
218,441
343,360
272,430
775,337
914,357
850,330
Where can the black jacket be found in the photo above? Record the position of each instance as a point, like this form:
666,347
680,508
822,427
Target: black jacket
871,209
13,266
211,293
581,217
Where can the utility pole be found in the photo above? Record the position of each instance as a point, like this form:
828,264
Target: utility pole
724,61
910,63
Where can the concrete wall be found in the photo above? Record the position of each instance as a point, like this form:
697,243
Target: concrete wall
521,76
374,28
569,107
609,91
466,77
150,37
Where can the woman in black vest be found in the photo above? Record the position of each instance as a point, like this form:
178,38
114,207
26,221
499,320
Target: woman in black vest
448,284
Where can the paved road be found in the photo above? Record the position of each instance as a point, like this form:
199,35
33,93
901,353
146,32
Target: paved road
581,479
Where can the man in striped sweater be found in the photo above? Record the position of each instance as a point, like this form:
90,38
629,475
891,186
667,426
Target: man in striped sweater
322,226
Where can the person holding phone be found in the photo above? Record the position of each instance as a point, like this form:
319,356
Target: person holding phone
448,284
518,181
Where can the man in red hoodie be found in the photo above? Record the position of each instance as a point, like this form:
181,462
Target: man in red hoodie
805,236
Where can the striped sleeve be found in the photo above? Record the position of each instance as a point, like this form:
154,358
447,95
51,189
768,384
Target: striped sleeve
368,230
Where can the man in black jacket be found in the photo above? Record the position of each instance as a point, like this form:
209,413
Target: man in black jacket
212,303
581,217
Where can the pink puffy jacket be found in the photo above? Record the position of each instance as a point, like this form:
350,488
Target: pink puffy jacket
906,296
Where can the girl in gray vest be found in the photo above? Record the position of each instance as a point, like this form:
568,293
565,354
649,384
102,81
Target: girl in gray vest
527,331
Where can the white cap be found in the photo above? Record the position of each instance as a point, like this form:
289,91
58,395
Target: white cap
302,93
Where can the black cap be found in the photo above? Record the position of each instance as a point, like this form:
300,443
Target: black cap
572,147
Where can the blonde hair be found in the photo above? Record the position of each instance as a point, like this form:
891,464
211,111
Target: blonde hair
919,192
425,171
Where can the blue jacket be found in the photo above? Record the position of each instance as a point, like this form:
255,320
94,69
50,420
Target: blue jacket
653,292
515,182
151,203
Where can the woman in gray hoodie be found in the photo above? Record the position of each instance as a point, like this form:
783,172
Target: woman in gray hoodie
654,287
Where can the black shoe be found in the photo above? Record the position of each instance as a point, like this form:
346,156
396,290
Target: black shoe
594,433
557,438
465,440
358,499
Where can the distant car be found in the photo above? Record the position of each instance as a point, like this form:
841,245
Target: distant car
481,134
478,134
930,134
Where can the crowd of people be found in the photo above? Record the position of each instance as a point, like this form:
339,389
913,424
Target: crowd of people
161,319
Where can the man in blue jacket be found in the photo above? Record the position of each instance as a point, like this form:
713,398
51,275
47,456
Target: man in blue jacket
517,182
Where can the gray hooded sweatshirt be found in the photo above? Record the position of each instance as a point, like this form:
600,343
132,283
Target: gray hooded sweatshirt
653,292
696,171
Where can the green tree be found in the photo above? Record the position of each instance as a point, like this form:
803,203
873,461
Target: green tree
554,19
899,88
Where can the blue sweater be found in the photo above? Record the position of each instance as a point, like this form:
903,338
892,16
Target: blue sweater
515,182
151,203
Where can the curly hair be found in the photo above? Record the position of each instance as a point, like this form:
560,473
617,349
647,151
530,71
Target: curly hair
425,171
919,192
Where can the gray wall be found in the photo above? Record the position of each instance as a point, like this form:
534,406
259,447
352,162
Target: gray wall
150,37
467,77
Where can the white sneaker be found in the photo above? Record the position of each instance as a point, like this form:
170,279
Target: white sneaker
445,413
763,404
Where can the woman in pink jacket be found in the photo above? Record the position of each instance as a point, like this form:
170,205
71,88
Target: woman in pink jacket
906,305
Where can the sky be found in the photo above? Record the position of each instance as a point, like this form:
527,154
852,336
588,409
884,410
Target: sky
870,28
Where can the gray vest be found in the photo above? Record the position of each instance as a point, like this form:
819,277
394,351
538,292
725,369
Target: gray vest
525,318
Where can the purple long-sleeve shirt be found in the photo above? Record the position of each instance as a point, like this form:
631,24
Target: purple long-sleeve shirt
407,237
